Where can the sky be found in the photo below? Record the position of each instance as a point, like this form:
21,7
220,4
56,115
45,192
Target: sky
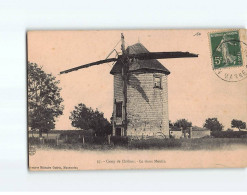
195,92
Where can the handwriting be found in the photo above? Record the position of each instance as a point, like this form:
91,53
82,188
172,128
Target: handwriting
197,34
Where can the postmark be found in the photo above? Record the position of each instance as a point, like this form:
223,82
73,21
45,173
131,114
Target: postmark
228,54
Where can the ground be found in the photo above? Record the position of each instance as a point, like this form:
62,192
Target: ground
164,144
141,154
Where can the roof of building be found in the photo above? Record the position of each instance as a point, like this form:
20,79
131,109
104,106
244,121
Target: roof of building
148,65
195,128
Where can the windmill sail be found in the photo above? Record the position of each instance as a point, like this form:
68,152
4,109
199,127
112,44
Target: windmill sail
140,56
88,65
161,55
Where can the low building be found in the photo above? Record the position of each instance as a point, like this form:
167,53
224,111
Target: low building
175,132
198,132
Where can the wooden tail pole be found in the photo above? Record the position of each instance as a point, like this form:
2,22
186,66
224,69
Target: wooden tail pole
124,77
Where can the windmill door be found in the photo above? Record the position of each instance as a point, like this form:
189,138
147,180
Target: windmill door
118,131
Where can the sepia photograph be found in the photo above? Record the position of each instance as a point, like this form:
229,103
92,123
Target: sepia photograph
123,96
136,99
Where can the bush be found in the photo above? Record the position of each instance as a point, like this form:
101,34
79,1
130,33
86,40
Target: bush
50,142
69,138
88,139
207,137
119,140
34,140
228,134
100,140
244,136
155,143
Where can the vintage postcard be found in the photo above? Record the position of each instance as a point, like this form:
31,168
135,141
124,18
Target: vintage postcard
137,99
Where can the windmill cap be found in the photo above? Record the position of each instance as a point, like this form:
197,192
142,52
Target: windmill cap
146,65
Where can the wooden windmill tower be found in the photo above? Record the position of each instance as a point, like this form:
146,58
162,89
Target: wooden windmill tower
140,105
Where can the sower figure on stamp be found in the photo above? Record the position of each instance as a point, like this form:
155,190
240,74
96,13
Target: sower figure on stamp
223,48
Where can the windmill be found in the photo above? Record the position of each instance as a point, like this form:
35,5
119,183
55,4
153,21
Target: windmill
126,59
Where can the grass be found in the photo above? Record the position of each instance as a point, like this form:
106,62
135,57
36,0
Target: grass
164,144
212,143
155,144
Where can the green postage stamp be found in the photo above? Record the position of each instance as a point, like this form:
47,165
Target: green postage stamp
226,49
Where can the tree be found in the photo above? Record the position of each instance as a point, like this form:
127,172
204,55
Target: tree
213,124
44,100
170,124
238,124
86,118
183,123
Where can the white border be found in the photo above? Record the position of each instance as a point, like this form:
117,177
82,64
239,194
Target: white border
16,17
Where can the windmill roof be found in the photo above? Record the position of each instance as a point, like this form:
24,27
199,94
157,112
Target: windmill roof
149,65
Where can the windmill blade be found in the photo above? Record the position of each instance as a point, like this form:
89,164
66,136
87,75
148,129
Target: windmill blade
162,55
88,65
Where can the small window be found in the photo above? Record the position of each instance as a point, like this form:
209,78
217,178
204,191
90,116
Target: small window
157,82
118,109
